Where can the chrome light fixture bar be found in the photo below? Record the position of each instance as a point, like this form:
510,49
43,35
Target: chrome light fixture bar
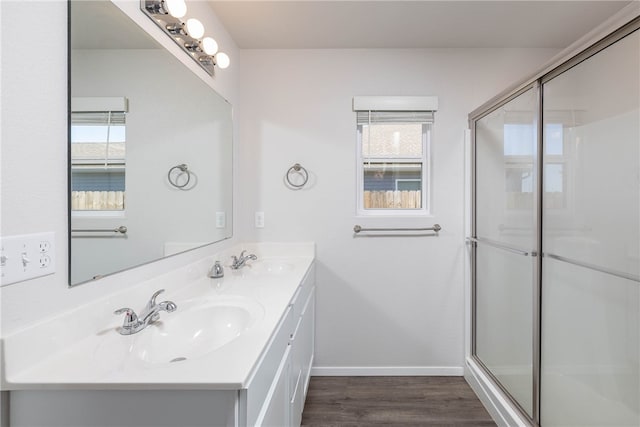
189,35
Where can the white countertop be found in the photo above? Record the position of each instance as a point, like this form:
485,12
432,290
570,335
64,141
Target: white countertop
82,349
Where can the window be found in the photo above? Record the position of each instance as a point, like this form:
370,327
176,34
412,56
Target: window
98,161
393,162
393,165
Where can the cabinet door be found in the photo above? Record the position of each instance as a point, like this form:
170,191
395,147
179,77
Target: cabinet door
303,347
275,412
307,340
261,382
296,359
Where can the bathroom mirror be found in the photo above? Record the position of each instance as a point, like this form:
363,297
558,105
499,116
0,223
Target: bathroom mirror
150,149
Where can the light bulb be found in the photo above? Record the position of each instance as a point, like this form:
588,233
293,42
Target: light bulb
195,29
210,46
176,8
222,60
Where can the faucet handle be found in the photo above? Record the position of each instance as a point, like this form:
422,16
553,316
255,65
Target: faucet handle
152,301
217,271
130,317
168,306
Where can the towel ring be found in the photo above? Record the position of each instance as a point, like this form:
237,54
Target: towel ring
184,169
297,168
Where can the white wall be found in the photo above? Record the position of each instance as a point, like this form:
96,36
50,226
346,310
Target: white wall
33,153
382,301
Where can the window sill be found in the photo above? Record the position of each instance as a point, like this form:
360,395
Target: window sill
98,214
379,213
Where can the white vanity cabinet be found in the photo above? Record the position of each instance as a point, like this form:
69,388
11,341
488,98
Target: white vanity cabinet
278,400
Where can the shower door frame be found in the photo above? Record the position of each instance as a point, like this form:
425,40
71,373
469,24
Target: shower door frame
537,269
613,31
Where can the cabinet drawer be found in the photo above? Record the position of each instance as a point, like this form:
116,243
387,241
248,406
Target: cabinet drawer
302,294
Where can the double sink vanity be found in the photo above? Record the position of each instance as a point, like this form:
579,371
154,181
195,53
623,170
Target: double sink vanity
234,351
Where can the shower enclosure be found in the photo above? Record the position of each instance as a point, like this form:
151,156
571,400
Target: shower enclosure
555,234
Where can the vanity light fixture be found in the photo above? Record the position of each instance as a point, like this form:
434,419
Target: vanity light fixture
210,46
176,8
223,60
189,35
194,28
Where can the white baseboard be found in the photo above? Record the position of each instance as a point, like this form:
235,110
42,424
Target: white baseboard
386,371
499,407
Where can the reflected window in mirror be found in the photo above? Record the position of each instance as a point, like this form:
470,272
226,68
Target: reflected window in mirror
98,148
519,145
555,171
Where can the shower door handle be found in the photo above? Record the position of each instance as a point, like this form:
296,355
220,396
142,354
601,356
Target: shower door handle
498,245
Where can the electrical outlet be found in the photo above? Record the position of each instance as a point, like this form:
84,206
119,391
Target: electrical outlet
26,256
45,261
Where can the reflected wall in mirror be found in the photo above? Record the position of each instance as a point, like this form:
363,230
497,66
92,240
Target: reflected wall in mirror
150,148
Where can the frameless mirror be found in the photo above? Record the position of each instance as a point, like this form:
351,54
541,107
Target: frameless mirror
150,149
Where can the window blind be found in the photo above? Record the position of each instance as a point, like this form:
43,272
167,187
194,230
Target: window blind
381,117
98,118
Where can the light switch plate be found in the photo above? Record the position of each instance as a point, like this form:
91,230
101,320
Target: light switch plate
26,256
221,220
259,219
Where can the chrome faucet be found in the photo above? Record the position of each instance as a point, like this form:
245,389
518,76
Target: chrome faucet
239,262
217,271
151,313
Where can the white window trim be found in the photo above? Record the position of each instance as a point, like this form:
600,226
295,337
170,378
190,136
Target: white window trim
425,210
395,103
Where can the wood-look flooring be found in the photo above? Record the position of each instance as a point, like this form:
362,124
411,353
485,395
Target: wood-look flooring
393,401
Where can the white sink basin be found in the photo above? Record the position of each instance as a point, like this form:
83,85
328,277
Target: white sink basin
195,329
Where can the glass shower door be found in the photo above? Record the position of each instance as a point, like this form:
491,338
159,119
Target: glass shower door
590,361
505,238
